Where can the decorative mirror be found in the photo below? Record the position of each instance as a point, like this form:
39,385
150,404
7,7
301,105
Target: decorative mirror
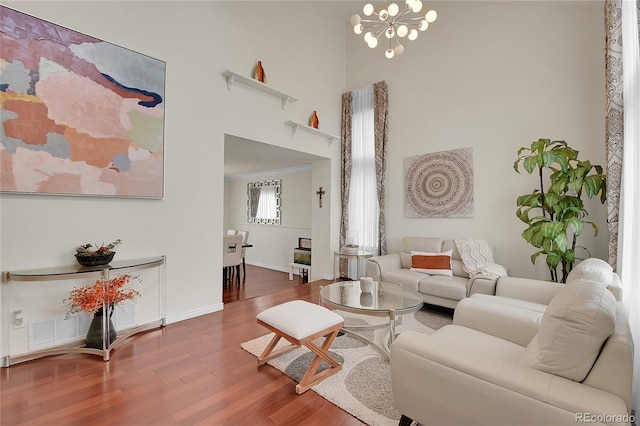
263,202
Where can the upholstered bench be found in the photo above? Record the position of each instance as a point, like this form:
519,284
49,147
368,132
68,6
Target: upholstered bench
301,323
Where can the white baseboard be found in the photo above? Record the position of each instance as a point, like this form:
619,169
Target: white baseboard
264,265
280,269
199,312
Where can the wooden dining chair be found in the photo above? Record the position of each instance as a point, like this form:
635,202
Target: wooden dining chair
232,256
245,240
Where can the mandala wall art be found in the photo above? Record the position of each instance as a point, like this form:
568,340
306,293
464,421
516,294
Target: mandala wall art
80,116
439,184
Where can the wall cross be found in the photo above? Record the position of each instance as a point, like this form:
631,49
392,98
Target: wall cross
320,193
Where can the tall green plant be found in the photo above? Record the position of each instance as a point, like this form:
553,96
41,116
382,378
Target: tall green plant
554,214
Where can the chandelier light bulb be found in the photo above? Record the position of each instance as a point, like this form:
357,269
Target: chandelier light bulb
431,16
390,32
393,9
355,19
357,29
416,6
389,53
399,49
413,34
367,9
409,3
373,42
383,15
403,30
423,25
367,37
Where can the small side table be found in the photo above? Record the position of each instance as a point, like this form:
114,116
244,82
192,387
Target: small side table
359,255
303,270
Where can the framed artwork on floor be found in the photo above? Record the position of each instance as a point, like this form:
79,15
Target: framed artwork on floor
80,116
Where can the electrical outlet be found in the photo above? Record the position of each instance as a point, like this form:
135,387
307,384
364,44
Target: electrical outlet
17,319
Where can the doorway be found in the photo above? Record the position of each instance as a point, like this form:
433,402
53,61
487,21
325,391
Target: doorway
248,160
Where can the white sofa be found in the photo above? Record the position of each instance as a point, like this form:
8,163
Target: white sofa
438,290
537,353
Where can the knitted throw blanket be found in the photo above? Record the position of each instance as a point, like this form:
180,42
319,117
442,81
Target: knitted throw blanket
477,259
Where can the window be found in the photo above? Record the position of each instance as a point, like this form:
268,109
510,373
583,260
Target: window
363,200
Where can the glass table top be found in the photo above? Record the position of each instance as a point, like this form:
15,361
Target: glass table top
77,269
383,298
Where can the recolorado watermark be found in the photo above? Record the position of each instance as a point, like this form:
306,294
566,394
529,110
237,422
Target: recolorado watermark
604,418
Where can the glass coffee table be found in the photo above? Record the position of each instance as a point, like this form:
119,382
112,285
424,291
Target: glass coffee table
386,300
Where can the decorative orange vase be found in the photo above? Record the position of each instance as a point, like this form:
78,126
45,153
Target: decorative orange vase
259,73
313,121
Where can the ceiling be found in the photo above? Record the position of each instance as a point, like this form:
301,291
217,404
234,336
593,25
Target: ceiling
244,156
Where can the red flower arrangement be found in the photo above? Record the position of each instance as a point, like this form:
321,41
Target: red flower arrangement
92,298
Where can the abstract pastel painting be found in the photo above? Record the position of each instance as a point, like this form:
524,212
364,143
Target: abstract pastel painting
80,116
439,184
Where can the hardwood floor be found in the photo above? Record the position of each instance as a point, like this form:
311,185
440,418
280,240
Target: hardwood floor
191,372
260,281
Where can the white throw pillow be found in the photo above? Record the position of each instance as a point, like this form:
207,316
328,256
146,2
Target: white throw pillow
575,325
593,269
432,263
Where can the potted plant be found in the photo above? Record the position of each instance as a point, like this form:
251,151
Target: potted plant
92,300
90,255
555,213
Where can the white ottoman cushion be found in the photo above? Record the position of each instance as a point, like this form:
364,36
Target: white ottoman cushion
299,319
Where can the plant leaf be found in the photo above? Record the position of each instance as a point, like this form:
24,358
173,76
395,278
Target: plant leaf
576,225
553,259
530,164
551,229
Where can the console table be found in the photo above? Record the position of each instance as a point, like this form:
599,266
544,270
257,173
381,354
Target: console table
34,317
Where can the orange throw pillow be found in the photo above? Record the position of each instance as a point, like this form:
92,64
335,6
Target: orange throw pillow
432,263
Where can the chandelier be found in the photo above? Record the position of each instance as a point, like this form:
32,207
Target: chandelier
394,22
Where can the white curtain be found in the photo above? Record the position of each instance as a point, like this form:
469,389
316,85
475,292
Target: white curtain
629,232
363,199
267,203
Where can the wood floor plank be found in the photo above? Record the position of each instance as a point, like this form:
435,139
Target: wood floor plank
188,373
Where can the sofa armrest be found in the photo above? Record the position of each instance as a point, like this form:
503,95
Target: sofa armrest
536,291
378,265
507,322
432,378
482,284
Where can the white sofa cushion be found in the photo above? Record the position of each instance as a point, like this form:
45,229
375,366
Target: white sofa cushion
507,321
407,278
432,263
453,288
593,269
577,322
510,301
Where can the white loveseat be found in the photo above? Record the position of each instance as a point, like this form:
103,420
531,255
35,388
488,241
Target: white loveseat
438,290
538,353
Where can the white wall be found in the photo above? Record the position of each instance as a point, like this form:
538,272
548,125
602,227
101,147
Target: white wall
273,244
493,76
198,41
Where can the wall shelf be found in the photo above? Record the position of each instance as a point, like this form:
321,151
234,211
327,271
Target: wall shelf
295,126
253,83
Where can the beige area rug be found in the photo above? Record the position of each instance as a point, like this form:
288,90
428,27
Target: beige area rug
363,386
